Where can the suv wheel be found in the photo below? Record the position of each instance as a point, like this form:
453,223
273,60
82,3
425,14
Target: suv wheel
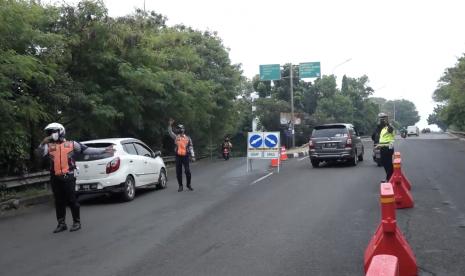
315,163
129,189
354,160
162,180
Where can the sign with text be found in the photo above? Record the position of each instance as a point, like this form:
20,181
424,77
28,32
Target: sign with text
263,145
270,72
310,70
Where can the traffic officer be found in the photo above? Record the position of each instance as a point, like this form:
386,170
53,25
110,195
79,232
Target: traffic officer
62,172
386,144
184,150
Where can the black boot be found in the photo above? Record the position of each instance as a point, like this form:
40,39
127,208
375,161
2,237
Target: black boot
60,228
190,188
76,226
180,189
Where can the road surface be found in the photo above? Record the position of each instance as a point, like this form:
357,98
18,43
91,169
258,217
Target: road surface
302,221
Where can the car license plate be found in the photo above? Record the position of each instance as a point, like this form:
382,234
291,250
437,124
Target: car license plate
330,145
85,187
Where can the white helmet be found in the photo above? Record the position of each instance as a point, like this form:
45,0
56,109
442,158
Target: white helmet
54,127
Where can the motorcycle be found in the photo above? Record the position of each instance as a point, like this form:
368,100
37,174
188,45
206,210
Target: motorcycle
377,155
226,153
403,134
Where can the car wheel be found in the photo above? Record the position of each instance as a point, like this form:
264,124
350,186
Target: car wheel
353,160
162,180
129,189
360,157
315,163
378,163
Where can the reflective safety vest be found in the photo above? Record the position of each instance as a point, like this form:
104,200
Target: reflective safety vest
386,138
182,143
61,157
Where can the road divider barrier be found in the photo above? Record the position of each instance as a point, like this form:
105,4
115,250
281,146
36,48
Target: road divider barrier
401,186
388,239
283,153
383,265
405,180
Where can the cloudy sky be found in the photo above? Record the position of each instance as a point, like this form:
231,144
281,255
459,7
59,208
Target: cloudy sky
402,46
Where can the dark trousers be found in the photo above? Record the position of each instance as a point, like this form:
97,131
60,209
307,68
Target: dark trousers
386,160
183,161
65,195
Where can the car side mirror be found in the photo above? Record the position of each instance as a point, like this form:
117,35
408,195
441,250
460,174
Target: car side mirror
157,154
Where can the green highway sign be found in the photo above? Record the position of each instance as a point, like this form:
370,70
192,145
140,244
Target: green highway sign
270,72
309,70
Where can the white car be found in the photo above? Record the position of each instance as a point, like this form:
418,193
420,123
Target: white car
413,130
132,165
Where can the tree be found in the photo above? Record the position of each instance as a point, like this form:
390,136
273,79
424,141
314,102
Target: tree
406,113
450,96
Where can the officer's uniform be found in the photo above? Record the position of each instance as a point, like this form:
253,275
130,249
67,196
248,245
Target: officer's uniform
184,150
63,180
386,142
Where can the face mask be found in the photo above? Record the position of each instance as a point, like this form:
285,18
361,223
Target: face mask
55,136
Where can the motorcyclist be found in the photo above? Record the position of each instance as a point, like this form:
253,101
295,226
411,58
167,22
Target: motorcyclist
62,172
226,145
384,136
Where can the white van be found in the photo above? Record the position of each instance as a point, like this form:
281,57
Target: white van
413,130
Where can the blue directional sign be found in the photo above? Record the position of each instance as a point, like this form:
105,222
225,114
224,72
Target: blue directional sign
256,141
271,140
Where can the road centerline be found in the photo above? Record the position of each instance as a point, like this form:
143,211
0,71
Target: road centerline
261,178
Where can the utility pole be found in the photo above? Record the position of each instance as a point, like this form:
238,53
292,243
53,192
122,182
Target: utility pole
292,105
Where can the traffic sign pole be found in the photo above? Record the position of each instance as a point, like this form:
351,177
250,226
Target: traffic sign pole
292,105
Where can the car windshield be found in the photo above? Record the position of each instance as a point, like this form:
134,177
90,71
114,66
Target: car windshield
93,157
329,132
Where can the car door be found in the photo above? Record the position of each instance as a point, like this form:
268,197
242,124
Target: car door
151,167
136,163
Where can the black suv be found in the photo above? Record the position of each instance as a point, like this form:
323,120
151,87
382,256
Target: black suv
335,142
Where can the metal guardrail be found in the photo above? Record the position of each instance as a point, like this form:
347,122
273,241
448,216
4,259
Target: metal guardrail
457,132
44,177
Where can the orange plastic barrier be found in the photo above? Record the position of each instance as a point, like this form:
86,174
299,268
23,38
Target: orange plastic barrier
383,265
398,170
275,162
388,239
400,183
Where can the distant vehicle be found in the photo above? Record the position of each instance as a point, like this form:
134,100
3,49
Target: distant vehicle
132,165
426,130
413,130
335,142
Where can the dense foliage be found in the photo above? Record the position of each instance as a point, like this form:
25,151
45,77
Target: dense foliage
106,77
450,95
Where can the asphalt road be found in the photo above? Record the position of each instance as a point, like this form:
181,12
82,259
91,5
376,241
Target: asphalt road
302,221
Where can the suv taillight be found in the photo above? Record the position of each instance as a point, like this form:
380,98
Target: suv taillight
113,166
349,143
311,145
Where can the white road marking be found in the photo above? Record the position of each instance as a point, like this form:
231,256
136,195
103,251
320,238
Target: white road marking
303,158
261,178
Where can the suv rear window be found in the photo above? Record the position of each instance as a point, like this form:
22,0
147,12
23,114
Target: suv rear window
329,131
93,157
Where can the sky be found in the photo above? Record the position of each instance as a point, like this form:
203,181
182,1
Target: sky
402,46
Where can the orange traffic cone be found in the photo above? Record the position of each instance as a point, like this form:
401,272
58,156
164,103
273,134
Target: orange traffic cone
275,162
283,153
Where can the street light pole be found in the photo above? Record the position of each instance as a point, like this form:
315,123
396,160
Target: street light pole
292,105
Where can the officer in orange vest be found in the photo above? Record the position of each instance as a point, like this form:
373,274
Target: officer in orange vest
62,169
184,150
